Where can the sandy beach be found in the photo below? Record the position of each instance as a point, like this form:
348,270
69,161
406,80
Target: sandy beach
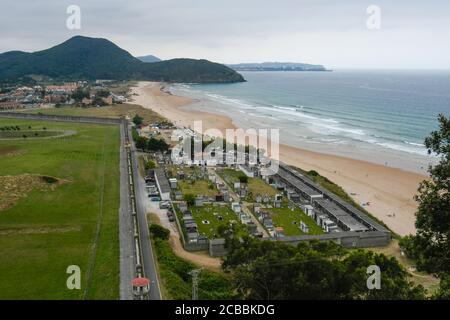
389,191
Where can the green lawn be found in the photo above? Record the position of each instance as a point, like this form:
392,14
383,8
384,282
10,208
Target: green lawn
177,283
46,231
197,187
212,213
285,217
114,111
255,185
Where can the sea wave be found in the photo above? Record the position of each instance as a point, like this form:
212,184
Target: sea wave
325,130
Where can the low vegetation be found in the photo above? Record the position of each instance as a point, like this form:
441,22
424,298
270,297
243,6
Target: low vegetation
430,247
209,218
290,221
45,228
177,282
271,270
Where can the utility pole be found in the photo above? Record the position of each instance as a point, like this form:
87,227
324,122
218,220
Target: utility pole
194,273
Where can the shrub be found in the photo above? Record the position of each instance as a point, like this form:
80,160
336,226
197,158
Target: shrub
159,232
243,178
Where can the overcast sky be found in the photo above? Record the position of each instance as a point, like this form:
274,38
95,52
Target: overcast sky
413,33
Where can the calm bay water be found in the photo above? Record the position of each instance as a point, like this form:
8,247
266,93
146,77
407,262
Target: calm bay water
379,116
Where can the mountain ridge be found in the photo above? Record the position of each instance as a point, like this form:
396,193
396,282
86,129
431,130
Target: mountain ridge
86,58
277,66
149,58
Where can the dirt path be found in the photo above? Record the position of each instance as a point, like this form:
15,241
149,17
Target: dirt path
200,259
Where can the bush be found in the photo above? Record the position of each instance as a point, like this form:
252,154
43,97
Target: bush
190,199
150,165
175,276
243,178
138,120
49,179
159,232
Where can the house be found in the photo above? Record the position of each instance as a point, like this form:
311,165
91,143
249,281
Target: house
277,204
279,232
236,207
162,183
173,183
181,175
182,205
304,227
242,193
178,195
219,197
86,101
256,208
252,228
10,105
108,100
217,247
309,210
293,196
268,223
192,237
258,198
199,201
237,185
247,170
245,218
226,196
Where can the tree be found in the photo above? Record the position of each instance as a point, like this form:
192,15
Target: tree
80,93
102,93
243,178
157,144
190,199
137,120
98,101
141,143
430,247
150,165
159,232
312,270
443,293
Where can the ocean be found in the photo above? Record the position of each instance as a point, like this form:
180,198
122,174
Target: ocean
377,116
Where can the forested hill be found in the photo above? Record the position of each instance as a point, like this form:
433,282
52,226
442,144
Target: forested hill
95,58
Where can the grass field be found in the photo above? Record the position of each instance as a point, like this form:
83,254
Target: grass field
216,215
255,185
290,221
115,111
197,187
46,231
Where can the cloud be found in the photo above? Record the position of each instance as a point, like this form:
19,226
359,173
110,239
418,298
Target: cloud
327,32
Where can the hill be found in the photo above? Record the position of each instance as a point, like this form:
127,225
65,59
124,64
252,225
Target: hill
277,66
95,58
149,58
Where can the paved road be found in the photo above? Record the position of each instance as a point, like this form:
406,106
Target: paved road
149,263
127,263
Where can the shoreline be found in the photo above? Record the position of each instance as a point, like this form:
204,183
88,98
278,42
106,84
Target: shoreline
389,190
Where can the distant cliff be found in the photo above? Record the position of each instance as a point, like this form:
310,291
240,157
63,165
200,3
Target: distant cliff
94,58
277,66
149,58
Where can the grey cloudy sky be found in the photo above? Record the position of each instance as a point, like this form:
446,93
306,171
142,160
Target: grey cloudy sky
413,34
